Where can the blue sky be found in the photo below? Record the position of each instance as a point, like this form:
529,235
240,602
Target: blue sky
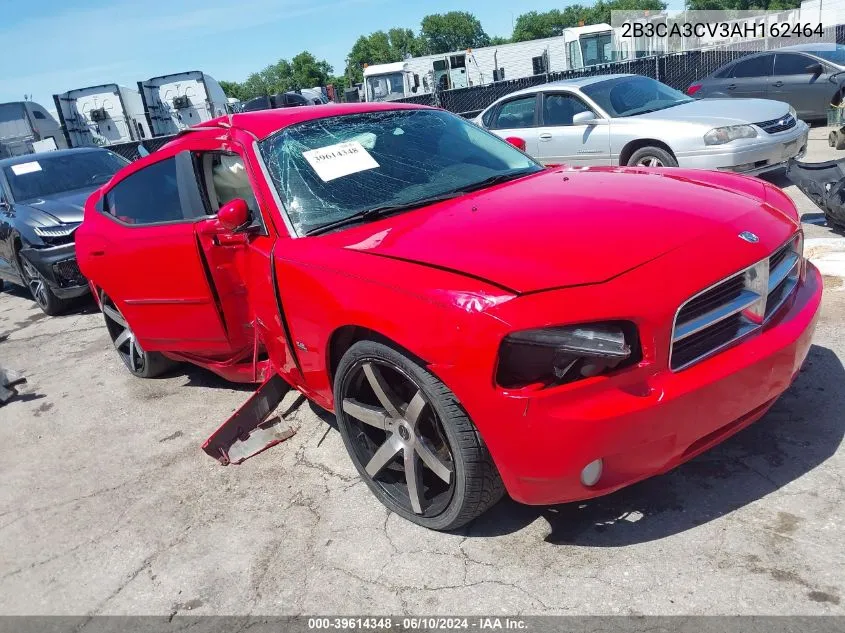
52,46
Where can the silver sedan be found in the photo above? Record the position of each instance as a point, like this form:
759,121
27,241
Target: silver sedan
634,120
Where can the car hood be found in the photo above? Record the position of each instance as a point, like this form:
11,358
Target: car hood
60,208
718,112
564,227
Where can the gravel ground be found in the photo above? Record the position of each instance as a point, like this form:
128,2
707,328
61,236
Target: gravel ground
108,506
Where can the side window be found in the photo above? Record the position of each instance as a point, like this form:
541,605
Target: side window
760,66
38,114
487,117
725,72
148,196
516,113
224,178
558,109
791,64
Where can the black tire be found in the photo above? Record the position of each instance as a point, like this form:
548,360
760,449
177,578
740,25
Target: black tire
475,485
40,290
652,154
840,140
140,363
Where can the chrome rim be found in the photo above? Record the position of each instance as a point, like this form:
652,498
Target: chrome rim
123,338
397,438
650,161
36,284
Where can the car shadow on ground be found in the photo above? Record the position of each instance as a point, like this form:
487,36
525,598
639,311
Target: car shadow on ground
801,431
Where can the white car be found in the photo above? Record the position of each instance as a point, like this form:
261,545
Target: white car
635,120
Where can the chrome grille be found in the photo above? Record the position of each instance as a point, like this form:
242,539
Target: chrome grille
733,308
774,126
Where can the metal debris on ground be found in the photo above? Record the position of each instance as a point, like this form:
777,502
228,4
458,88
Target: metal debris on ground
8,381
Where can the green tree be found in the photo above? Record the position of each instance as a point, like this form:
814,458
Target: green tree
232,89
382,48
453,31
496,40
535,25
306,71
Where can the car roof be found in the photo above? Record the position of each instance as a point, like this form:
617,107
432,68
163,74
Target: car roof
263,123
580,82
28,158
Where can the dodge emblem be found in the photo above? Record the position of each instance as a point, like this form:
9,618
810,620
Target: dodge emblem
748,236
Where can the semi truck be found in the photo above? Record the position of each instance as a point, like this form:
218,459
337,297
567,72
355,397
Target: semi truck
102,115
26,127
179,100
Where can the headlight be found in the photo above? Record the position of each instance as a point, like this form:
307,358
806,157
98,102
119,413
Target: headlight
59,230
557,355
793,113
720,135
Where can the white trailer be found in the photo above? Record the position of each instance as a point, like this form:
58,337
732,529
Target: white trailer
26,127
174,102
575,48
102,115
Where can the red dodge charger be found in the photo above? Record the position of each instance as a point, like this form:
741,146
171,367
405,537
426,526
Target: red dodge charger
477,323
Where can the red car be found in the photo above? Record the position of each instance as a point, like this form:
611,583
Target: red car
477,323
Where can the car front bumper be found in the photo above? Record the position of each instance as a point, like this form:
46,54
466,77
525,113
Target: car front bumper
647,426
765,153
57,264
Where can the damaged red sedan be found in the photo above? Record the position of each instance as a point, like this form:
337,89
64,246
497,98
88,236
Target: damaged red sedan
477,323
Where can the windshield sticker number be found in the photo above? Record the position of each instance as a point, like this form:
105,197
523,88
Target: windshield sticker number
26,168
343,159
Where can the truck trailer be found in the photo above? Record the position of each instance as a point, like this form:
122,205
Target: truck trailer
26,127
577,47
174,102
102,115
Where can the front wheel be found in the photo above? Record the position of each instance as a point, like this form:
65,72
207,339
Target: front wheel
138,362
40,289
411,441
652,157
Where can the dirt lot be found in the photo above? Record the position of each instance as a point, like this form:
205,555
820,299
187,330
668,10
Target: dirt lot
108,506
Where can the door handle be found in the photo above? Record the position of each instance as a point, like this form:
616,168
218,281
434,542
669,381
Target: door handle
98,253
777,84
545,136
732,87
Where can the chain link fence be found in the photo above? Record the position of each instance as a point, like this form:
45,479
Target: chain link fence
677,70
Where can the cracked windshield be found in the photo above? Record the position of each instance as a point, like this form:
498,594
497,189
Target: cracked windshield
391,158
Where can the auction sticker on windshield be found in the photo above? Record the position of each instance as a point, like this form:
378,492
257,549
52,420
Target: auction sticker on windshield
334,161
26,168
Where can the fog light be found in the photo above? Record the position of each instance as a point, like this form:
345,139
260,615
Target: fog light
592,473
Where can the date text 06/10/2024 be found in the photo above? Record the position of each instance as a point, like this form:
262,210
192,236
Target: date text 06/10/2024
418,623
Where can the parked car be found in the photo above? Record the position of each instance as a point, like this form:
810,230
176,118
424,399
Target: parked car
805,76
635,120
41,201
477,323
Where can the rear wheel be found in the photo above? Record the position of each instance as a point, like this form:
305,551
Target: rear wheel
411,441
652,157
40,289
139,362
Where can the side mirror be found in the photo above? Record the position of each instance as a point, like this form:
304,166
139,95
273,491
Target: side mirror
234,214
587,118
814,69
517,142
